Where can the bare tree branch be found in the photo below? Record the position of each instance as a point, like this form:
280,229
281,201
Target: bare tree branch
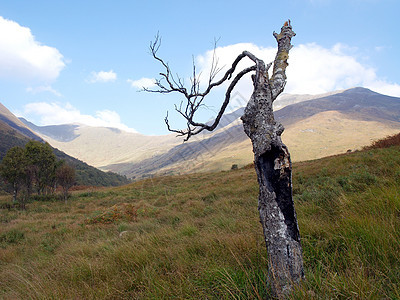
194,99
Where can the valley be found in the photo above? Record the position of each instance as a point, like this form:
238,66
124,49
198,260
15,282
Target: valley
198,228
315,126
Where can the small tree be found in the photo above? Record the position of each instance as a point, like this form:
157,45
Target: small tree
41,163
271,156
12,169
65,175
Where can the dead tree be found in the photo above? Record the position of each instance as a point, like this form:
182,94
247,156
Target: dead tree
271,156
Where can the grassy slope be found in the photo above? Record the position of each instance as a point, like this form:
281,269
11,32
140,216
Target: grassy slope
331,132
323,134
9,138
85,174
197,236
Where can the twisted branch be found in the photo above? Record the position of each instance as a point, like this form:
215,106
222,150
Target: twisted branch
194,97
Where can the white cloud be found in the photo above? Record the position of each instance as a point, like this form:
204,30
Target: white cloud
312,69
379,48
56,114
384,87
224,59
41,89
103,76
22,57
141,83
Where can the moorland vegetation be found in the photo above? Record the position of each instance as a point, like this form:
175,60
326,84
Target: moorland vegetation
198,236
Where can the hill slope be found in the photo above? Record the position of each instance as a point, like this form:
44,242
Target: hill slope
9,138
100,146
14,133
360,103
6,117
198,236
316,126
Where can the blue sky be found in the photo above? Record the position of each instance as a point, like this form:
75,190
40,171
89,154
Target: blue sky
84,61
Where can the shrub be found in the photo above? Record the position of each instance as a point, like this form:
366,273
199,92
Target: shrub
113,214
210,198
13,236
393,140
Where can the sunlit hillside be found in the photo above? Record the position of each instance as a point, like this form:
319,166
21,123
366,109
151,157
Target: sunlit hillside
315,126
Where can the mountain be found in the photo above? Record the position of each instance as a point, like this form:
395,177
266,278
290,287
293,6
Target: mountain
315,126
64,133
360,103
13,132
8,118
289,99
333,124
102,146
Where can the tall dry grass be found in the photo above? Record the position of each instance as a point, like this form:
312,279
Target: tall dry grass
198,236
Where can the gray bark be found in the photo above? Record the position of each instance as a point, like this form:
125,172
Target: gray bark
274,172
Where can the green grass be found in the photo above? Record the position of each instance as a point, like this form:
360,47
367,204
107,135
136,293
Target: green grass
349,215
198,236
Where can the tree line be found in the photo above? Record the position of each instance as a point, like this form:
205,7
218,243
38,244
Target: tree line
35,169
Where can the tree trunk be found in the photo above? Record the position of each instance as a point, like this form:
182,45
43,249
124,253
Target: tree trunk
15,192
274,172
65,194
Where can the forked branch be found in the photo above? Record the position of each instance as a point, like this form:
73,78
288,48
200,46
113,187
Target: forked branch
194,97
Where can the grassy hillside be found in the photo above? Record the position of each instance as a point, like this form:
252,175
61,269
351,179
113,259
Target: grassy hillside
85,174
331,132
198,236
9,138
14,133
90,176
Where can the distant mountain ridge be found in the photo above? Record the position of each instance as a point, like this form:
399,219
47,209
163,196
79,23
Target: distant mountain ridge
315,126
63,133
359,102
289,99
340,121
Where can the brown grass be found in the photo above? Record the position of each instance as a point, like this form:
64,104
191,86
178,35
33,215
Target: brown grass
389,141
198,236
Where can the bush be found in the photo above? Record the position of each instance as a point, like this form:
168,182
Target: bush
45,198
393,140
13,236
115,213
